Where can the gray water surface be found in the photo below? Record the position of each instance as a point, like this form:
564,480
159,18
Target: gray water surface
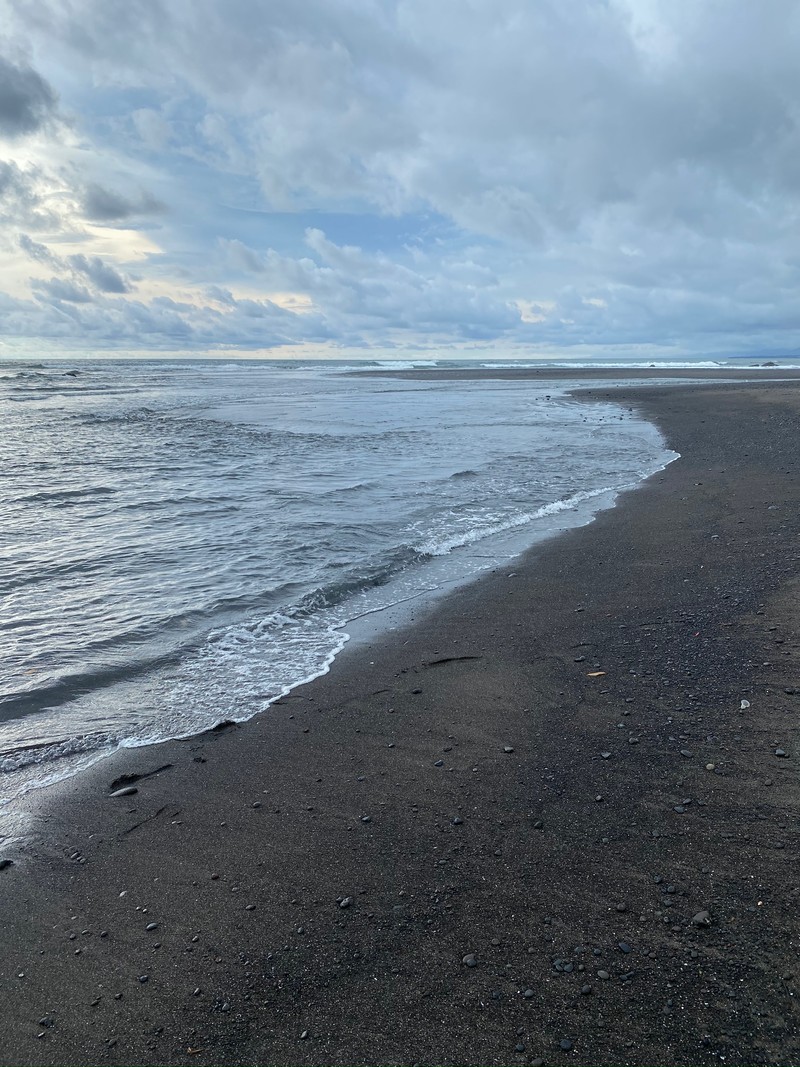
184,542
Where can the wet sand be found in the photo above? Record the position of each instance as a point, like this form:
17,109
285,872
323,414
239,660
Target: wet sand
537,825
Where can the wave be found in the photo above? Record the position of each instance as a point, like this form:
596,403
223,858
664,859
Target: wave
602,365
443,545
63,496
393,364
52,751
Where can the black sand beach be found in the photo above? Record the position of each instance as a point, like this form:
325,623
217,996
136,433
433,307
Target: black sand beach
537,826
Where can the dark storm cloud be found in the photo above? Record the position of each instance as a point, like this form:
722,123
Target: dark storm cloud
27,101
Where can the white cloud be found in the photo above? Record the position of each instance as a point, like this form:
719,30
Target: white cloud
610,174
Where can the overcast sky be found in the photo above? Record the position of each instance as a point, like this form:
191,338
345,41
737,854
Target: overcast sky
403,177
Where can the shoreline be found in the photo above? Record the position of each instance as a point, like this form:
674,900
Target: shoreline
427,583
504,856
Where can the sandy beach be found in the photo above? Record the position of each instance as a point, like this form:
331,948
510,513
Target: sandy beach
555,820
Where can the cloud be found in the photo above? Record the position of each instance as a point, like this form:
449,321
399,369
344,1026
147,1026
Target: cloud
27,101
66,312
572,173
101,275
104,205
58,289
27,198
41,253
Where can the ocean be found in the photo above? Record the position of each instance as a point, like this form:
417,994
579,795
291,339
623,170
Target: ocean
184,542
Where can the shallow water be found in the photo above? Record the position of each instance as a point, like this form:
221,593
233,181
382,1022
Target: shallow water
184,542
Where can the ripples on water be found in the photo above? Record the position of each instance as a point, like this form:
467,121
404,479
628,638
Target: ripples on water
184,542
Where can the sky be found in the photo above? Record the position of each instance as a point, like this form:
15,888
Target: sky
400,178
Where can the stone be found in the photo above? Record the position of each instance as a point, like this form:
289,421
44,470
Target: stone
469,960
508,748
126,791
4,863
702,918
780,752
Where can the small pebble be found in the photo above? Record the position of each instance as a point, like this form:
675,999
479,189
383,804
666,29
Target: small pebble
151,926
508,748
565,1044
469,960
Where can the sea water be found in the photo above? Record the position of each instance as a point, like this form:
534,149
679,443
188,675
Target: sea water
185,542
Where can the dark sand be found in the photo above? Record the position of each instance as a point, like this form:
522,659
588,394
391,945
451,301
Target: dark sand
568,879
